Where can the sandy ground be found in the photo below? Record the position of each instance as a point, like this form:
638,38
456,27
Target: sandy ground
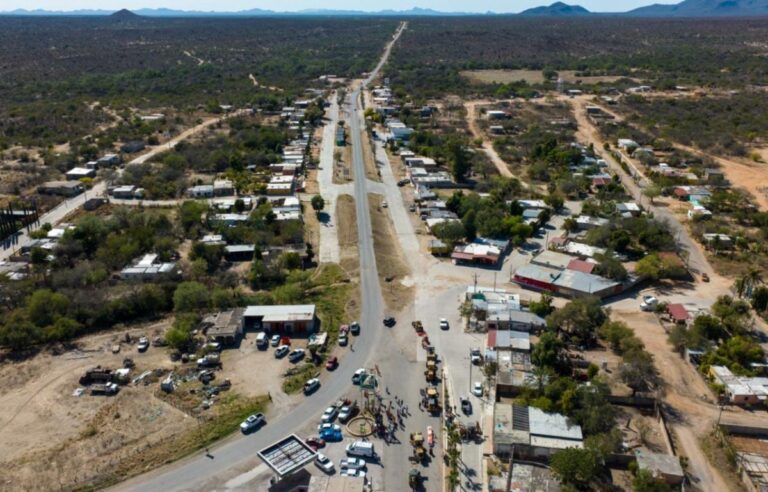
346,221
477,133
50,438
532,76
392,266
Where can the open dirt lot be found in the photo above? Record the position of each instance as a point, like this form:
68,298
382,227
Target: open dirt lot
531,76
342,167
371,169
392,266
50,438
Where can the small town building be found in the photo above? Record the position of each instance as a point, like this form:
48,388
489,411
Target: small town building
568,283
587,222
223,187
225,327
77,173
149,267
201,191
288,319
663,466
108,160
628,209
239,252
532,433
61,188
125,192
477,253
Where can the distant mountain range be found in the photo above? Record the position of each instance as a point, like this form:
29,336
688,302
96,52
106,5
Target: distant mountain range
687,8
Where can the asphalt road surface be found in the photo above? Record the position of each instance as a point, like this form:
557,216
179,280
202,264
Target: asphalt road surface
200,471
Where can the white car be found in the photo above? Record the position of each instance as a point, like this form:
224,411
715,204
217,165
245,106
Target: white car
329,415
384,204
311,385
281,351
324,463
143,344
328,426
352,464
346,413
475,356
296,355
343,340
252,422
358,376
477,389
444,324
649,303
349,472
275,340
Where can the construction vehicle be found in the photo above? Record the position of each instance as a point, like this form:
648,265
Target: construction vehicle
433,403
417,441
418,326
97,374
414,479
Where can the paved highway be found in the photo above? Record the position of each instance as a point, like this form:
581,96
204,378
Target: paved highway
199,472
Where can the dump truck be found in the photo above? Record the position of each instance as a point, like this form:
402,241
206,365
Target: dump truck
414,479
96,374
433,403
417,441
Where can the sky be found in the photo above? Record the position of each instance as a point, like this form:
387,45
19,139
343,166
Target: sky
500,6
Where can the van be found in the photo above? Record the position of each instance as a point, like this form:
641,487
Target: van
362,449
262,341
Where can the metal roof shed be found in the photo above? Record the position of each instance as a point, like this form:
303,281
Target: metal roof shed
287,455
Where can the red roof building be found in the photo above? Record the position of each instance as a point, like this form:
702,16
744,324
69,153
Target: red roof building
581,266
678,313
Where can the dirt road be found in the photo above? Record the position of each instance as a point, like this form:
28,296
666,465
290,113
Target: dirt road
487,145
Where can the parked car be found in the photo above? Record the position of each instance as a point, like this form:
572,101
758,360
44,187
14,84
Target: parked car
206,376
326,426
358,376
403,182
475,356
349,472
412,207
354,328
296,355
329,415
477,389
315,443
324,463
143,344
311,386
389,321
466,405
343,339
704,277
331,433
332,363
649,303
252,423
281,351
384,204
352,463
275,341
213,346
444,324
347,412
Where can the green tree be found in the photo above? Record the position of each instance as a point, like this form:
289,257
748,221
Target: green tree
459,159
644,481
191,296
638,371
652,192
575,467
579,319
555,200
450,233
44,306
614,332
760,298
318,203
542,307
549,352
650,267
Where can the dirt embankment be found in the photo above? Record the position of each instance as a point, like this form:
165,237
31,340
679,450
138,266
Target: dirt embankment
390,260
346,222
371,170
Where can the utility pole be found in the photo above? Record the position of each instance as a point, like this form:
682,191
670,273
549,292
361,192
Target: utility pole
511,465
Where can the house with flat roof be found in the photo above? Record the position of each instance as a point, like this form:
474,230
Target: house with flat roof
225,327
477,253
77,173
223,187
663,466
532,433
229,219
239,252
149,267
289,319
126,192
61,188
200,191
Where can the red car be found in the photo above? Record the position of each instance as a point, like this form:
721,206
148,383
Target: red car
332,363
315,443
